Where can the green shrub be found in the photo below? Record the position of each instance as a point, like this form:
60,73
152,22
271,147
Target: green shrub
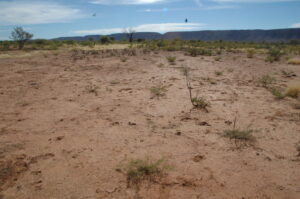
274,54
141,170
245,135
277,93
171,60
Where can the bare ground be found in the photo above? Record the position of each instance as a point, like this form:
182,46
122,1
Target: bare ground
67,124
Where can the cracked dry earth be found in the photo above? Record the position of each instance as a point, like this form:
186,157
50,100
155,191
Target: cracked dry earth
67,124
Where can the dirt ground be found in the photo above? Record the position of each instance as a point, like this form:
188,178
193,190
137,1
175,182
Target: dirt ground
69,121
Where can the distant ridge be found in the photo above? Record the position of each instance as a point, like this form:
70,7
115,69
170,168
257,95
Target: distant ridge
275,35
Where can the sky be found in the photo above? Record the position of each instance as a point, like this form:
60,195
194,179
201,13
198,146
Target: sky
58,18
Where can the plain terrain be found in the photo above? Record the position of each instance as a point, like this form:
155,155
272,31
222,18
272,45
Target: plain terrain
70,122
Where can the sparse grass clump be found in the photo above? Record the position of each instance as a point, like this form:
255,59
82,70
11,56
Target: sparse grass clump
200,102
266,80
218,58
158,91
194,52
298,149
92,89
277,93
294,61
171,60
244,135
250,53
274,54
288,74
218,73
293,91
141,170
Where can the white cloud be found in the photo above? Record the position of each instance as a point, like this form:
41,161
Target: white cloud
129,2
162,28
296,25
26,12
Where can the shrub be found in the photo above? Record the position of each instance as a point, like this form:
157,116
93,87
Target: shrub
194,52
274,54
199,102
277,93
171,60
218,73
250,53
288,74
141,170
266,80
158,91
294,61
104,39
293,91
5,45
245,135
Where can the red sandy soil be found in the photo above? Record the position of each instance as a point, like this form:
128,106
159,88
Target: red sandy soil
67,124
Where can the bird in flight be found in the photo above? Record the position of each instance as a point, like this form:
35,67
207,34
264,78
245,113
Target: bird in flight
94,15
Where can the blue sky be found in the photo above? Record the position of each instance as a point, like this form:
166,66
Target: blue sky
56,18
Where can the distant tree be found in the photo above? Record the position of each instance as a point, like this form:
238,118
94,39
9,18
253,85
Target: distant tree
20,36
130,33
104,39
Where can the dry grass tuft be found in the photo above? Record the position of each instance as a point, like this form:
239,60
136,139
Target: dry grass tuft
293,91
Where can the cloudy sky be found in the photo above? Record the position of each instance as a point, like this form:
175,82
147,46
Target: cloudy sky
55,18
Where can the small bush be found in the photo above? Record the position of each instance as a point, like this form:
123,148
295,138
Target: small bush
171,60
288,74
194,52
199,102
293,91
250,53
274,55
266,80
218,73
277,93
158,91
217,58
294,61
245,135
140,170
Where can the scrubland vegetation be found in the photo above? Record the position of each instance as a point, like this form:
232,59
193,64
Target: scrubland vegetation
87,115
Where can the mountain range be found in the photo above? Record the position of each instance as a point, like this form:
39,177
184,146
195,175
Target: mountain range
275,35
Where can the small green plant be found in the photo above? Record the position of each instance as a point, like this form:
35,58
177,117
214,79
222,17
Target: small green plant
171,60
147,169
277,93
245,135
240,136
266,80
218,73
158,91
200,102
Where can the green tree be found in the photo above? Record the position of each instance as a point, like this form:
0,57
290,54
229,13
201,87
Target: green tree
20,36
104,40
